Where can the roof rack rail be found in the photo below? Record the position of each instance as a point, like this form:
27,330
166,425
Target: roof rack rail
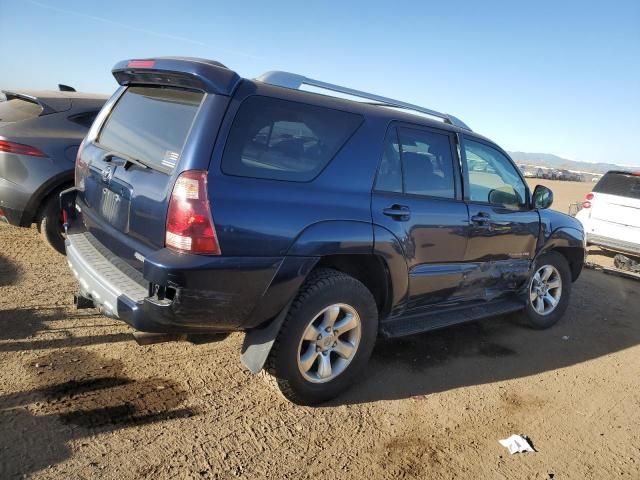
295,81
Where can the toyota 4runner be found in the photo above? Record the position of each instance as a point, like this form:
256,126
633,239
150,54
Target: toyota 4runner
311,216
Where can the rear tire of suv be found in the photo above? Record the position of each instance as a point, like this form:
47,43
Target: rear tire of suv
50,223
326,339
548,291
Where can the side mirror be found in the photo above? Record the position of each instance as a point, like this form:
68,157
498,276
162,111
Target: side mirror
542,197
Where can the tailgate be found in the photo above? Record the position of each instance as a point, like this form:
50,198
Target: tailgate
616,211
616,198
139,144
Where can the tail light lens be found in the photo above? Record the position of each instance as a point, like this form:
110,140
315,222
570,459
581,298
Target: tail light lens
587,200
20,149
82,168
141,63
190,227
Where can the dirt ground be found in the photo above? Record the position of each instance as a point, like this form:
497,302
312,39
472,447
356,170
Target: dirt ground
80,399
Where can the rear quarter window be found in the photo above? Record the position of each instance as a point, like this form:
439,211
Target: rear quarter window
283,140
618,183
151,124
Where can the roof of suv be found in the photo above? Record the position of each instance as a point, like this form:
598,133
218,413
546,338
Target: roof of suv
214,77
372,109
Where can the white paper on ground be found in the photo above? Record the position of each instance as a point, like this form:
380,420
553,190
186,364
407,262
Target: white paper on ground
516,444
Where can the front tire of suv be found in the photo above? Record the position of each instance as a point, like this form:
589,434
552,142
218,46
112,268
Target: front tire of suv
50,223
326,339
548,291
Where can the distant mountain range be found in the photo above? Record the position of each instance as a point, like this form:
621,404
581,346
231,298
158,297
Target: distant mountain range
554,161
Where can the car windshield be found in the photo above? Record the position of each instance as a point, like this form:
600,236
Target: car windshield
619,183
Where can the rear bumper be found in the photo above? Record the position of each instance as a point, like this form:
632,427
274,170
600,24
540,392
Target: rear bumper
175,293
613,244
112,291
11,216
13,201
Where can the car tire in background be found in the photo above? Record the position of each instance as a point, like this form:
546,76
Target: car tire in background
549,290
49,223
326,339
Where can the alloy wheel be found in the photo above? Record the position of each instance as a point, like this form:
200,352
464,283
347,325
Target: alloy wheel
329,343
545,290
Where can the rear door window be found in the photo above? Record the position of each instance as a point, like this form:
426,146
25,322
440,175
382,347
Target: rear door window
389,177
283,140
619,183
427,163
151,124
17,109
417,162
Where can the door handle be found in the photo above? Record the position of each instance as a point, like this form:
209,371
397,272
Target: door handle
481,219
398,212
484,220
501,223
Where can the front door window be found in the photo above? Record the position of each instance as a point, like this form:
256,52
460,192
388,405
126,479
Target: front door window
492,177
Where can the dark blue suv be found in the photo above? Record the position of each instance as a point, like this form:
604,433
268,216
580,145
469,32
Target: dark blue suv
207,203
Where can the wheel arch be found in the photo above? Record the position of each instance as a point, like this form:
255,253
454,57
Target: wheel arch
369,269
569,242
344,246
36,203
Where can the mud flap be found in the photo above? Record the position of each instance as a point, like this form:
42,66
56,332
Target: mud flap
258,342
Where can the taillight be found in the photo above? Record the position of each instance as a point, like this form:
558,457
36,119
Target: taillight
190,227
20,149
81,169
587,200
141,63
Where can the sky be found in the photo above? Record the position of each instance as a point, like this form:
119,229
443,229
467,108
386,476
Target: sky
558,77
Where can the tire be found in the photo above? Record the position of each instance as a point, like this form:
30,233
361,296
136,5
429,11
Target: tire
50,223
327,294
557,265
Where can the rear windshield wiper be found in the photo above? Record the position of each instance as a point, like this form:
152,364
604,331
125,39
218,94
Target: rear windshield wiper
128,161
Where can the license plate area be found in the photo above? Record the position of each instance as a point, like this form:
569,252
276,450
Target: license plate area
114,207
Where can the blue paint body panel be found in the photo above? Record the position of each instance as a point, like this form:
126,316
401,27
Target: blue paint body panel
272,233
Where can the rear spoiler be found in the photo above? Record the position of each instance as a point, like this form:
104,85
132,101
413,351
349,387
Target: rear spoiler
626,172
194,73
52,105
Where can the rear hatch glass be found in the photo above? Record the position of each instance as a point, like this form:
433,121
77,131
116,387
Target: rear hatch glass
151,125
618,199
147,127
621,184
18,109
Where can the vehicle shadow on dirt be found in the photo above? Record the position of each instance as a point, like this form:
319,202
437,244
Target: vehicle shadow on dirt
20,324
601,319
77,394
9,271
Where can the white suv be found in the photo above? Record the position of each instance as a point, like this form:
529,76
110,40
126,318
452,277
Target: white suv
611,213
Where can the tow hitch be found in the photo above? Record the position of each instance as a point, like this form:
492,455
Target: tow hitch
81,302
